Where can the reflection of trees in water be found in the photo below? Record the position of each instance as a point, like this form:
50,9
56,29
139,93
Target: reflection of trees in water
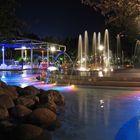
137,52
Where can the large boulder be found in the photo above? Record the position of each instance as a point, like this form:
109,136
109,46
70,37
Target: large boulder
33,97
6,129
3,113
42,117
20,111
43,96
29,90
3,84
56,96
19,90
30,132
6,101
51,106
28,102
51,95
10,91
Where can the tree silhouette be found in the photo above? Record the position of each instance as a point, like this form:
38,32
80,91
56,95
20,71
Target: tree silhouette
120,13
10,25
122,17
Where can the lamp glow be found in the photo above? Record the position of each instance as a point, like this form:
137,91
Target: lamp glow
101,47
52,49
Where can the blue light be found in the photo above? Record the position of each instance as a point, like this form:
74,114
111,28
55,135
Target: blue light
2,49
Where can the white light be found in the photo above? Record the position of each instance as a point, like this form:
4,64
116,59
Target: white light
72,86
52,68
102,106
3,76
100,74
23,47
112,70
52,49
83,69
101,47
2,49
101,101
83,59
105,69
23,85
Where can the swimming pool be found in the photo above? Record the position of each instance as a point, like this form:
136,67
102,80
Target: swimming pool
91,113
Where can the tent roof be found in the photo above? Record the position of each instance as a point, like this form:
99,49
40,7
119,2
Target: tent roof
27,43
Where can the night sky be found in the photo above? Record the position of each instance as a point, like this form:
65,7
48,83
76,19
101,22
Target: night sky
59,18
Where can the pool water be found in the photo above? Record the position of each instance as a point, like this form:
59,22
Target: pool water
91,113
100,114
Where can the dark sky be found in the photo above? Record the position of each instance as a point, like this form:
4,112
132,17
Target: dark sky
59,18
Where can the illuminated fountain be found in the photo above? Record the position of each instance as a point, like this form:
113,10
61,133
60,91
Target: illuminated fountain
94,48
136,57
118,54
3,65
85,49
100,53
106,51
83,52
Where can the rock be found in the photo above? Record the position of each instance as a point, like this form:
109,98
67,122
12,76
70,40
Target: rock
6,101
26,132
33,97
51,106
42,117
25,101
43,96
3,84
19,90
6,126
54,125
12,92
3,113
51,95
2,91
31,90
20,111
56,96
6,129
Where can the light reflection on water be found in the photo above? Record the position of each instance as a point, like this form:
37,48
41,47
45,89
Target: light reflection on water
84,117
89,113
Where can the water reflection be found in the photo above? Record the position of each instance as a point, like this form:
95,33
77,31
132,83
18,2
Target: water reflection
89,113
96,114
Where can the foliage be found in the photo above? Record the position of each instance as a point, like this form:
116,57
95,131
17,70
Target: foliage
122,17
72,45
10,26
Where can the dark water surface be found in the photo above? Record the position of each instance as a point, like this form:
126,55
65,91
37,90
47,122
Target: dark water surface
90,113
100,114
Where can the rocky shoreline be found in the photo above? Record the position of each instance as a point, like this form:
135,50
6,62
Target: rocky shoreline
28,113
